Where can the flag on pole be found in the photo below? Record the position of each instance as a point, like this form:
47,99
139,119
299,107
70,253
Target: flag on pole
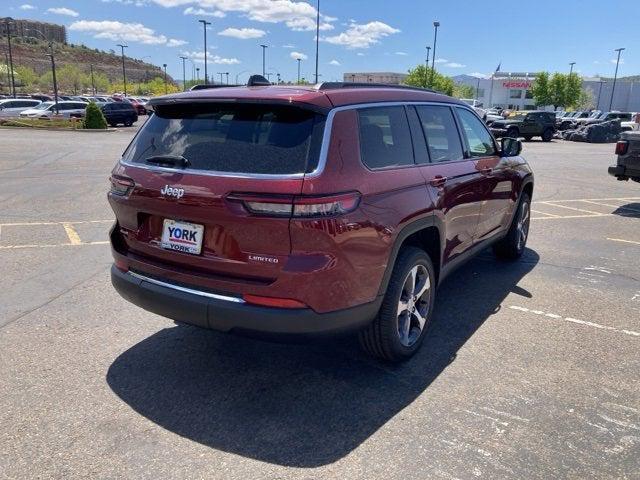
498,67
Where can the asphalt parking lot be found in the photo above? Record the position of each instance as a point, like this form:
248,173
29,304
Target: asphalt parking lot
530,370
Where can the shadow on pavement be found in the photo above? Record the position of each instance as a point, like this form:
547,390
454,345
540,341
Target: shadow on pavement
628,210
300,405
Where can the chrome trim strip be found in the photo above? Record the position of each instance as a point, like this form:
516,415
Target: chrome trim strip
324,147
187,290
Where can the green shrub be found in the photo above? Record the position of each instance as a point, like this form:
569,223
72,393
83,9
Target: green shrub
94,119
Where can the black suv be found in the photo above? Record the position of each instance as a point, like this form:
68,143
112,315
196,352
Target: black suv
527,125
119,112
628,152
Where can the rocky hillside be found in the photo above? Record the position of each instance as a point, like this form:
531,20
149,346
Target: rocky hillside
33,55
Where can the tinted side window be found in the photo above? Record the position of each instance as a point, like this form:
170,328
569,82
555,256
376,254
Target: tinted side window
478,138
385,140
441,133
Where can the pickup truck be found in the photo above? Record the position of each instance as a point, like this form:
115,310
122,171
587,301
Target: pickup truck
628,152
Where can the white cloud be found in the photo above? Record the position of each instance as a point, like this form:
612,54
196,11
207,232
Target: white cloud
26,6
479,75
614,61
441,60
362,35
137,3
201,12
288,46
242,33
198,57
454,65
298,55
335,63
360,54
297,15
63,11
123,32
402,54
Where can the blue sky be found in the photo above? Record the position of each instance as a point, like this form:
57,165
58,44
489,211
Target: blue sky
358,35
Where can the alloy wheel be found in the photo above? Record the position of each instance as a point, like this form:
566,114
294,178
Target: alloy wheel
413,305
522,226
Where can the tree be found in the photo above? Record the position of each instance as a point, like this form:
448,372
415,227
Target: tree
586,100
424,77
94,119
558,90
540,90
573,89
71,78
26,77
461,90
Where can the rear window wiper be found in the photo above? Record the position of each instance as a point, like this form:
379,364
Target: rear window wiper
169,160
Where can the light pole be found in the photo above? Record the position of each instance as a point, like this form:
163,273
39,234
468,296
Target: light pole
197,74
53,67
477,88
238,75
426,65
6,61
571,69
615,77
93,81
433,59
317,38
299,60
184,74
221,74
124,71
264,65
166,90
599,93
7,24
227,74
206,75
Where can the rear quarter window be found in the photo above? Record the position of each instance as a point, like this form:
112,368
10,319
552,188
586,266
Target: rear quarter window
237,138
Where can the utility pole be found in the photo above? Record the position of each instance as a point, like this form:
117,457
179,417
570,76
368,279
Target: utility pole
299,60
184,74
221,74
93,81
264,68
426,69
166,90
227,74
124,71
6,61
599,93
571,69
317,38
198,74
615,77
55,81
433,59
206,74
8,24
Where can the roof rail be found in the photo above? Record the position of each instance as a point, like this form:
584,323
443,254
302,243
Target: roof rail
339,85
207,86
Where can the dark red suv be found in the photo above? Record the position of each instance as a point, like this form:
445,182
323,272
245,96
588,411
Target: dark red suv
311,210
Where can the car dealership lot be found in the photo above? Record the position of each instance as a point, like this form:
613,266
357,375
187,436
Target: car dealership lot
530,370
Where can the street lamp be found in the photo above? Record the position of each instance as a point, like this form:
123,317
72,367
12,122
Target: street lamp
299,60
227,74
571,69
433,59
264,49
204,24
93,81
615,77
599,93
166,90
238,75
124,72
184,74
7,24
221,74
198,74
426,70
317,38
53,67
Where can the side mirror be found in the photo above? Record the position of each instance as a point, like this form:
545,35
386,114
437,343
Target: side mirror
511,147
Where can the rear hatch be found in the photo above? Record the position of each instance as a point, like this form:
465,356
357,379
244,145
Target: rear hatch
219,179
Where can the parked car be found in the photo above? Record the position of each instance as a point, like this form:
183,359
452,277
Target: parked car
633,124
139,107
42,97
571,121
311,210
605,117
526,124
66,109
119,113
628,161
13,107
477,106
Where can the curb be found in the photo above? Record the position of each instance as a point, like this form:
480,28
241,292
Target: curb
56,129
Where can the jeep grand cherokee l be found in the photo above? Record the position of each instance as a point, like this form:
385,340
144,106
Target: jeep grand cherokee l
309,210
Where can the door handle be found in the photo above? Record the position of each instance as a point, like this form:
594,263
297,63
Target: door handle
438,181
486,171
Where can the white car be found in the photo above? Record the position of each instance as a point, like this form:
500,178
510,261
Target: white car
477,106
633,125
66,109
14,106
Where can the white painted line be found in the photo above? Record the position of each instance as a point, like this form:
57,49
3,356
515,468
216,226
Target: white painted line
575,216
592,199
575,320
619,207
74,238
17,247
572,208
26,224
545,213
623,240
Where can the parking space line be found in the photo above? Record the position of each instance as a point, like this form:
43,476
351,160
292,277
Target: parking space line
574,216
623,240
585,323
27,224
620,207
592,199
18,247
572,208
545,213
74,238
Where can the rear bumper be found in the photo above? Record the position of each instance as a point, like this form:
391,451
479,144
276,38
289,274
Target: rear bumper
624,172
216,312
498,132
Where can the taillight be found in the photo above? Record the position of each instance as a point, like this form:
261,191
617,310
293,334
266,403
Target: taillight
622,147
121,185
298,206
273,302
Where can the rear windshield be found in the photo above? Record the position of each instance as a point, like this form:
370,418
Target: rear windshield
239,138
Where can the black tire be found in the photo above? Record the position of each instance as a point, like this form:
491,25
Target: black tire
527,138
382,338
128,124
513,132
512,246
547,135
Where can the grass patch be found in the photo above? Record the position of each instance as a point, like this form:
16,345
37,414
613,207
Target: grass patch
65,123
